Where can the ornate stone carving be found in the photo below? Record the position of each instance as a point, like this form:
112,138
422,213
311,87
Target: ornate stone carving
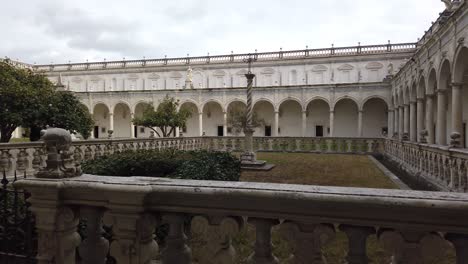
212,239
59,158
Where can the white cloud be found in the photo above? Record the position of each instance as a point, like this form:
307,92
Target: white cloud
43,31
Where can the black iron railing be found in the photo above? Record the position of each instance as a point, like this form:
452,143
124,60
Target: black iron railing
18,239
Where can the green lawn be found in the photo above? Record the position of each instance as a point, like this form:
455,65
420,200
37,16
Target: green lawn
320,169
326,170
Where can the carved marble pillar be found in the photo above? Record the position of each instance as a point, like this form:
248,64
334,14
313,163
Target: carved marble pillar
390,123
225,124
276,124
441,117
304,123
430,118
400,122
457,111
332,123
132,127
359,132
413,122
420,118
406,119
111,121
200,123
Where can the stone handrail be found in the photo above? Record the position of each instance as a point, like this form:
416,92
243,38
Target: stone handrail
442,166
412,226
231,58
27,158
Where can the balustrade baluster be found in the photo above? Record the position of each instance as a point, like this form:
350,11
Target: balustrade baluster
263,251
212,239
357,238
94,248
5,160
133,237
176,250
460,242
307,241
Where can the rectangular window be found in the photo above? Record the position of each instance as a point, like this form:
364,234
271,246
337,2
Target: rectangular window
142,130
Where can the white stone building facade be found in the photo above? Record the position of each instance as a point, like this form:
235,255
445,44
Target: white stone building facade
361,91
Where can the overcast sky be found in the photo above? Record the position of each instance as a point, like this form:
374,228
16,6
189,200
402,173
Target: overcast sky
59,31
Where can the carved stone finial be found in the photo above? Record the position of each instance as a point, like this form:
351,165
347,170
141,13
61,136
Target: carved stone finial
455,140
59,158
423,137
405,136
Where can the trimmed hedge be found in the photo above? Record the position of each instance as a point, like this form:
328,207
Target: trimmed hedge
198,165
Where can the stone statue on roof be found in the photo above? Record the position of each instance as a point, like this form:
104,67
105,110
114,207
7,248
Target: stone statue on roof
189,79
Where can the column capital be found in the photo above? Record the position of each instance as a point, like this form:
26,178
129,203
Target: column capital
111,113
420,99
441,91
431,95
456,84
390,110
332,111
412,102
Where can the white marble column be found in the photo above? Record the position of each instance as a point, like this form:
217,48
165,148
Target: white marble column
304,123
420,118
396,121
390,123
400,122
332,123
132,127
200,123
359,132
413,122
430,118
225,125
276,124
111,121
177,131
457,111
406,118
441,117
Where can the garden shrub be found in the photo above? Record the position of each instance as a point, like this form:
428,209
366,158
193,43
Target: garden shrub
198,165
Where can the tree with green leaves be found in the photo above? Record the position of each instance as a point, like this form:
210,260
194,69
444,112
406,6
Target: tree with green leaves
28,99
237,119
165,118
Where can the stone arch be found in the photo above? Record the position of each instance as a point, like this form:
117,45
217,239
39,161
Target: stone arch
290,117
212,101
233,101
346,117
387,103
317,98
101,119
290,98
342,98
317,117
265,110
460,76
192,126
139,103
374,117
421,87
431,85
190,101
122,120
212,117
444,84
139,108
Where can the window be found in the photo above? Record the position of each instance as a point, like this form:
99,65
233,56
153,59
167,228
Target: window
142,130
